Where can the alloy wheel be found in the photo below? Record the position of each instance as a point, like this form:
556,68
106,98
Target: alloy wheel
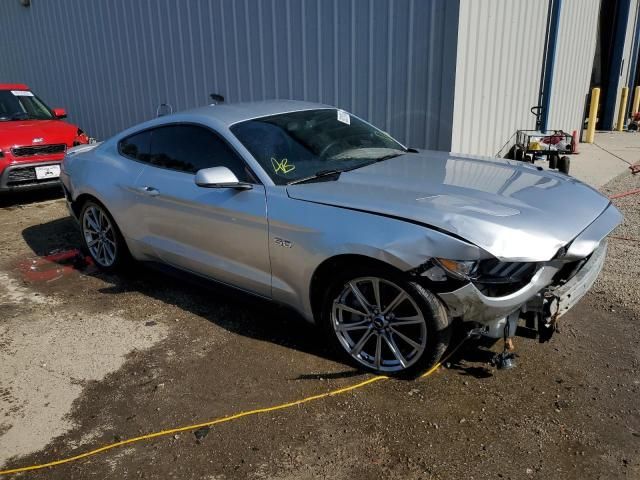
99,236
379,324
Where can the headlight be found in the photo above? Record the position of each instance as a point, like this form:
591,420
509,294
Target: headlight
81,138
488,271
461,269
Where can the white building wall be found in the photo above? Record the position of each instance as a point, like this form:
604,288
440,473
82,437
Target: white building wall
498,66
577,36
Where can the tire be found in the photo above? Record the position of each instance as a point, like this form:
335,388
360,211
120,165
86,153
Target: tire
515,153
553,160
511,153
424,329
563,164
518,153
101,237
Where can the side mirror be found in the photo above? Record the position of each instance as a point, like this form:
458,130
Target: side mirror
59,113
220,177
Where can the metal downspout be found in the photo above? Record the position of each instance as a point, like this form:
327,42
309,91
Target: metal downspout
550,61
633,67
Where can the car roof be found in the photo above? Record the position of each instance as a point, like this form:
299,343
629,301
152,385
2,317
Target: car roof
13,86
231,113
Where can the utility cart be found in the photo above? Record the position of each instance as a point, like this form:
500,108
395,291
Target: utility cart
533,145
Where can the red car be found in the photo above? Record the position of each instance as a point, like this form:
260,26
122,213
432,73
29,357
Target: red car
33,139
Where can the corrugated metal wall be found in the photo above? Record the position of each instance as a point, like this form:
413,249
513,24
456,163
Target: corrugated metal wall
500,49
574,62
111,62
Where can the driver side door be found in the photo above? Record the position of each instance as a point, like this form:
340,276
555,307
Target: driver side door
219,233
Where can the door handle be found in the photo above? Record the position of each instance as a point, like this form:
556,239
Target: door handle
152,192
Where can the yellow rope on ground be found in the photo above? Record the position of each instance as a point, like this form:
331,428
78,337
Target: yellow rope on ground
216,421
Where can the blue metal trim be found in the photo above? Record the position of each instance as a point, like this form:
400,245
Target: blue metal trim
609,106
634,62
550,62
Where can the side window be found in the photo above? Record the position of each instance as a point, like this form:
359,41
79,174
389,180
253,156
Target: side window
136,146
189,148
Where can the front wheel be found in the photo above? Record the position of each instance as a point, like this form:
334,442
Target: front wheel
385,323
101,237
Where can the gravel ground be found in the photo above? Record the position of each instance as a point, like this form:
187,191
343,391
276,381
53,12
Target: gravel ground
180,353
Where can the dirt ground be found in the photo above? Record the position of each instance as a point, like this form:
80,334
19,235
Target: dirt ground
88,359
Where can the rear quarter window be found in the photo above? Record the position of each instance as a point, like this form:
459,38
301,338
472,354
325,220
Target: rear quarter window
136,146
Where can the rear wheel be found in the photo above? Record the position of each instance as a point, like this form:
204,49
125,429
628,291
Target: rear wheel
553,160
102,238
564,164
385,323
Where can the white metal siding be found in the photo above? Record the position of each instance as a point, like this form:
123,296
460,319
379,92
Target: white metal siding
111,62
499,59
576,46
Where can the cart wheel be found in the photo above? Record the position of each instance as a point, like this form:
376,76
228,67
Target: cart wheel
563,164
528,158
518,153
553,160
514,153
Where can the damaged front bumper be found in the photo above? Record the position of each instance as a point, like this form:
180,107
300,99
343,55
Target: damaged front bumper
567,295
541,295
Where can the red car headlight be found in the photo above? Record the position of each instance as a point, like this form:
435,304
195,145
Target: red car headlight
81,138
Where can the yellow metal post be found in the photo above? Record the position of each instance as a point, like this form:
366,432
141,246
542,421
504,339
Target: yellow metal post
593,115
622,111
636,100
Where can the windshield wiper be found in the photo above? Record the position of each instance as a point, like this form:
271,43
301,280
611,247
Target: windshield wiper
318,174
20,116
336,171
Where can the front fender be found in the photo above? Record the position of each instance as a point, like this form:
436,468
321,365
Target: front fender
302,235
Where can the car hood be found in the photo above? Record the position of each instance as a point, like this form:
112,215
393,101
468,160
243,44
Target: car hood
514,211
23,132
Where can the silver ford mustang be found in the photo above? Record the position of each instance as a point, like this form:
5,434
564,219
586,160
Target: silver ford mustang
385,247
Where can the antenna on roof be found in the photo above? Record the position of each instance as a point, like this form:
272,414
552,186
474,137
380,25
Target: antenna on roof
164,109
216,98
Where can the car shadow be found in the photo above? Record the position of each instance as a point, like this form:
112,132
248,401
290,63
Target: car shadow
20,198
471,359
234,310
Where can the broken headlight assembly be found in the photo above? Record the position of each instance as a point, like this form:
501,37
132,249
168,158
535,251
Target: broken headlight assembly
491,276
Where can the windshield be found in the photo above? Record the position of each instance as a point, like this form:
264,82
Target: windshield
22,105
300,145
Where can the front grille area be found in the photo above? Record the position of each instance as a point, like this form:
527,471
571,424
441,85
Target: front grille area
23,176
34,151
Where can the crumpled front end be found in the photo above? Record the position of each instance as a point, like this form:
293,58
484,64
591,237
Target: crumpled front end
505,292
